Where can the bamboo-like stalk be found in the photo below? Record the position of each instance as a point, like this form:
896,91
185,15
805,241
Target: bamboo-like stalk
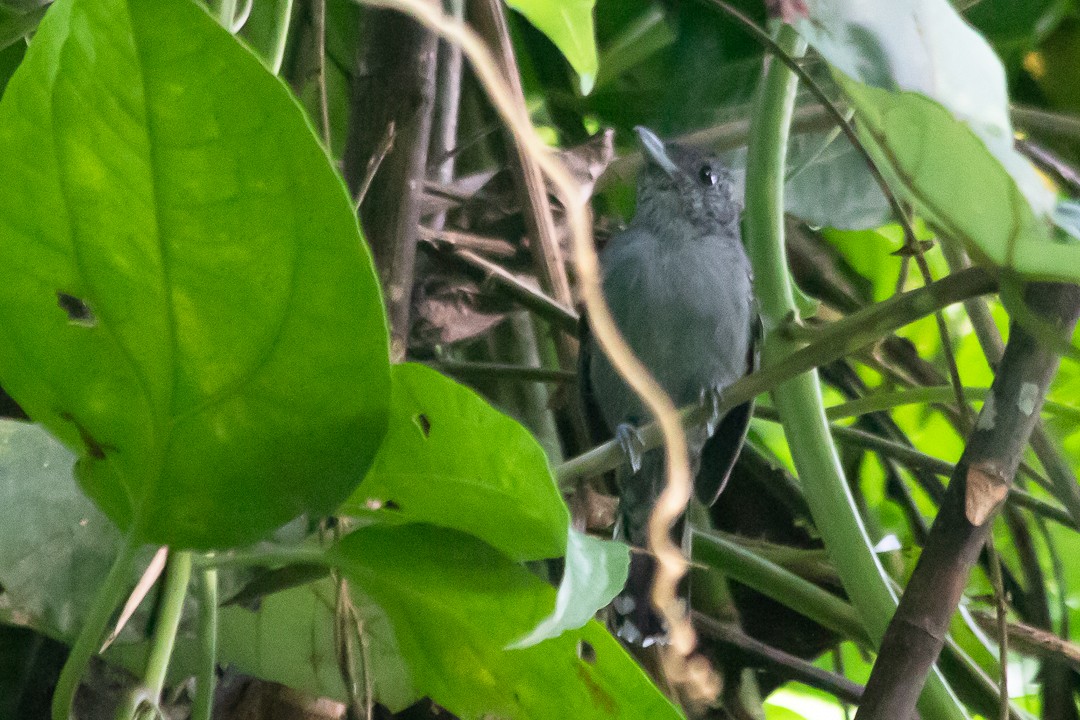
799,401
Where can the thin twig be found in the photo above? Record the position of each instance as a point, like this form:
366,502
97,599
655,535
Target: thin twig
447,105
381,151
1046,122
1002,626
149,577
493,246
365,660
784,664
500,371
1035,641
528,295
343,641
1046,159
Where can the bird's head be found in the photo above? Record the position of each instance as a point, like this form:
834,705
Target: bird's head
683,184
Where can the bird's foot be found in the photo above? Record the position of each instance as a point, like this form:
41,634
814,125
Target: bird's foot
713,399
632,445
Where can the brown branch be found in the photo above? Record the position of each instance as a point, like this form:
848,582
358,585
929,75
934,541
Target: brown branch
447,109
981,482
1034,641
393,87
783,664
514,287
490,22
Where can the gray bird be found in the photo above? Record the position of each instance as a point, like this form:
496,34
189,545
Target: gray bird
679,285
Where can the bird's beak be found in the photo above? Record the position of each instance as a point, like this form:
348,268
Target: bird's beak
655,150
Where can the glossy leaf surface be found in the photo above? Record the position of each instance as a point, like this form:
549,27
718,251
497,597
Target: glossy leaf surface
451,459
184,294
568,24
455,604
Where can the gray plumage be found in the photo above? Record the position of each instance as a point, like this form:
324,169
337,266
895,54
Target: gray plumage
679,285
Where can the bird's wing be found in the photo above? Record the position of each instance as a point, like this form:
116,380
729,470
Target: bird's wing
722,449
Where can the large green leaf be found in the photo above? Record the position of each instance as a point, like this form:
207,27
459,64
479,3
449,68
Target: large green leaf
455,604
55,545
568,24
289,639
957,184
931,99
450,459
184,294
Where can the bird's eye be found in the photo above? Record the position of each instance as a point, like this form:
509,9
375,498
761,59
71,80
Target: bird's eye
708,176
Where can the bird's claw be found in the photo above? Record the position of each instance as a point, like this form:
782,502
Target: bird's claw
632,445
712,398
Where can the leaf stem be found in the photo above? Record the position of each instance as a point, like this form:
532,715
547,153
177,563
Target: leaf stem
311,555
177,577
879,401
208,628
86,645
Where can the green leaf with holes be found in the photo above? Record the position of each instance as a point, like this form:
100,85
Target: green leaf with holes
451,459
455,604
185,298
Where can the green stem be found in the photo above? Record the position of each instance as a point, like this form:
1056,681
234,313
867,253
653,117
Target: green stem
830,343
208,626
225,10
933,394
276,52
302,555
778,583
108,598
177,578
799,401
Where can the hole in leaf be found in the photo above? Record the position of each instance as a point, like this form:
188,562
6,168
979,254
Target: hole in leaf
78,312
423,423
586,652
377,504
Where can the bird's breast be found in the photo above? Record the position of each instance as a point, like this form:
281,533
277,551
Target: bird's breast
685,309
